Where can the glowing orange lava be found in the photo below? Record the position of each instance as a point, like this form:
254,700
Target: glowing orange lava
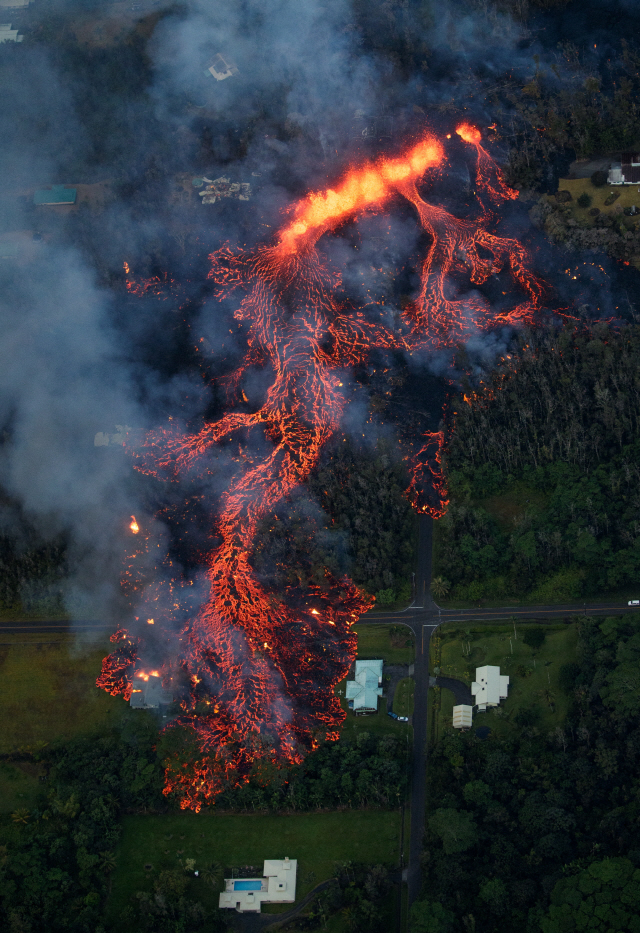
135,528
257,668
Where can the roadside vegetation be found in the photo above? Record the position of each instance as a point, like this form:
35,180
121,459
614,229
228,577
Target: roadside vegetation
527,825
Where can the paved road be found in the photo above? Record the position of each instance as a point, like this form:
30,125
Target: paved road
422,617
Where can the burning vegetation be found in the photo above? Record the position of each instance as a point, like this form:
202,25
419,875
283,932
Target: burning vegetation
254,669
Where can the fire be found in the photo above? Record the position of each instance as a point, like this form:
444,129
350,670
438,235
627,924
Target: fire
261,663
125,266
134,526
489,179
469,133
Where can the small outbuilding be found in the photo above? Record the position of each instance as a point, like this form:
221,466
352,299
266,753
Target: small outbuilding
277,886
363,692
489,687
462,716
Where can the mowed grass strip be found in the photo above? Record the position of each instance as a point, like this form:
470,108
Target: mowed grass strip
48,691
316,840
403,697
533,673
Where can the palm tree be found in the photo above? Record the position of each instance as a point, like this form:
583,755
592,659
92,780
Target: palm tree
440,586
21,815
213,874
107,862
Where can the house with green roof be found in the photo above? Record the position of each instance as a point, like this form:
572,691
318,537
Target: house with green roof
56,194
363,692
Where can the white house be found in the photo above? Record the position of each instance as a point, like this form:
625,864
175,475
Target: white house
363,692
277,886
625,172
462,716
489,687
222,68
7,34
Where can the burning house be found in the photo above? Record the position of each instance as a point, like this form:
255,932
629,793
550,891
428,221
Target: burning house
149,693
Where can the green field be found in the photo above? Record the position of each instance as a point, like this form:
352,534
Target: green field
316,840
533,674
48,692
375,641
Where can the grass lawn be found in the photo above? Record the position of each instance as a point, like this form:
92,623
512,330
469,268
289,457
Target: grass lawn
533,674
316,840
375,641
48,692
403,698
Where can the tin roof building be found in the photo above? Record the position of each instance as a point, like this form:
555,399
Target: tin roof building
277,886
7,34
462,716
149,694
489,687
363,692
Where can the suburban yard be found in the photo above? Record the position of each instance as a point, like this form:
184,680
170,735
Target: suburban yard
150,844
533,673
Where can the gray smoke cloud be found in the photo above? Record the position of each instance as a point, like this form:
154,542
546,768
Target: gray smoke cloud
74,358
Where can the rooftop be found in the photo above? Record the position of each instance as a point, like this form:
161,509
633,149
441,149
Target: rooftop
278,885
56,194
363,692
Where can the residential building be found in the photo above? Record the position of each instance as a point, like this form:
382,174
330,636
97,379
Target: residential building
222,68
462,716
56,194
149,693
7,34
489,687
277,886
14,5
627,171
102,439
363,692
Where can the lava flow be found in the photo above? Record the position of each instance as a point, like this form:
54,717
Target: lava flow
254,670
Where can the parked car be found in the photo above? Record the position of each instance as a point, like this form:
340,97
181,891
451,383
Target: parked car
402,718
634,602
392,714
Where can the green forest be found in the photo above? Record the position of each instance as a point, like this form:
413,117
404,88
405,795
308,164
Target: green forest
538,830
543,465
56,857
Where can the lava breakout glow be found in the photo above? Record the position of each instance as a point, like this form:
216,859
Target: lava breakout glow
254,669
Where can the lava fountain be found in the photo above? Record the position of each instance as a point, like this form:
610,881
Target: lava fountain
255,670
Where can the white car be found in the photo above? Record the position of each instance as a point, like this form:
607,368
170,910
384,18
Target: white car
634,602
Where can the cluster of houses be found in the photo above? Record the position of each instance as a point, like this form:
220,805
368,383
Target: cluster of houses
489,687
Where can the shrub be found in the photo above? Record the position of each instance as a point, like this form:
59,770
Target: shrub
599,179
584,200
534,637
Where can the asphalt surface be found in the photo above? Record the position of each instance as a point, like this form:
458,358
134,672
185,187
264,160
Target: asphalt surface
423,617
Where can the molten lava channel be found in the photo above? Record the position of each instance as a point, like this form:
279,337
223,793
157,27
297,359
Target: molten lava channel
254,670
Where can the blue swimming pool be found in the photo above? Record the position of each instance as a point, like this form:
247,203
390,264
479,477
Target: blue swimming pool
247,885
